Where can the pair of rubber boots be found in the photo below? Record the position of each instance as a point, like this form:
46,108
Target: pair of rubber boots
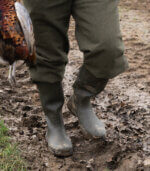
52,100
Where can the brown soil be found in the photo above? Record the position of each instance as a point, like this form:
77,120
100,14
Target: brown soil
124,106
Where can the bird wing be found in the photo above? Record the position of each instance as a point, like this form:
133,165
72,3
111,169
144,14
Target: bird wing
26,24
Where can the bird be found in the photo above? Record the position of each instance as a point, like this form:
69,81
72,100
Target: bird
17,40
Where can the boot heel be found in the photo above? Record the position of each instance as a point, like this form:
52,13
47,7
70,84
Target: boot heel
71,106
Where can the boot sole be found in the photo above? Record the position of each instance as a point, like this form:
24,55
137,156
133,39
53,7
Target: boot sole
60,153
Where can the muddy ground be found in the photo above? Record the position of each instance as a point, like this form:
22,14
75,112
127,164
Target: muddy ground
124,106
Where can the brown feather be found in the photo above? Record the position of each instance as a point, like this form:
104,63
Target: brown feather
12,42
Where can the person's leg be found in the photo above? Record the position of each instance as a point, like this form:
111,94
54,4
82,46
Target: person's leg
99,38
50,20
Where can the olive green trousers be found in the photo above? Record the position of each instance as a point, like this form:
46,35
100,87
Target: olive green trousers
97,32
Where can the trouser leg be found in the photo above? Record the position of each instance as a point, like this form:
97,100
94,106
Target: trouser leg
50,21
99,37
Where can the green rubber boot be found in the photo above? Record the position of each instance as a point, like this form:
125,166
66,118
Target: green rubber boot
79,104
52,101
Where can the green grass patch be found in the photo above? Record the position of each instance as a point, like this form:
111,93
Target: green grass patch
10,159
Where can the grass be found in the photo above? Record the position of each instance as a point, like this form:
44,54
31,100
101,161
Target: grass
10,159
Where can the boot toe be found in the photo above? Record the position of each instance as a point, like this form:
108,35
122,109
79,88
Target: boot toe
97,132
100,132
60,146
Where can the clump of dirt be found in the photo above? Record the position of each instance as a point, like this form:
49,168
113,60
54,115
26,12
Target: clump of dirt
124,107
